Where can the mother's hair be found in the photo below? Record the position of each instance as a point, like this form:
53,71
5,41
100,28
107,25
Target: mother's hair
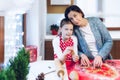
73,8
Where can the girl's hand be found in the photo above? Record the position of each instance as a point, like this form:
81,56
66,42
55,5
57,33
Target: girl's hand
97,62
84,60
75,58
68,50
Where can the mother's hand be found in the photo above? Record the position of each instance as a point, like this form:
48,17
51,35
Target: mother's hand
97,61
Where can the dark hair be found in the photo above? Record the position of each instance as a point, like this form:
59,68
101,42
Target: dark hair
65,21
73,8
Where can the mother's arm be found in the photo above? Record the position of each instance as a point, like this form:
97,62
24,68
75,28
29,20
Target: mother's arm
107,41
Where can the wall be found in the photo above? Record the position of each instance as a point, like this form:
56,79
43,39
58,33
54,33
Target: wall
36,21
102,8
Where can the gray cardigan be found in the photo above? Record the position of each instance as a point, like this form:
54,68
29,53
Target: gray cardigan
103,39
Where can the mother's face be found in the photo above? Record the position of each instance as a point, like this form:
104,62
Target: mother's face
75,17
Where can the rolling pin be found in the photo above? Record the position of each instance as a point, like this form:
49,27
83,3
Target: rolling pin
59,69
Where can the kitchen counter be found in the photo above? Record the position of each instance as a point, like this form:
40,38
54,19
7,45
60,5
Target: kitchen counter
114,37
49,37
114,34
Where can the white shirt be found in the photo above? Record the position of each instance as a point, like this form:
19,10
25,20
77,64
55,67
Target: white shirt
90,39
56,45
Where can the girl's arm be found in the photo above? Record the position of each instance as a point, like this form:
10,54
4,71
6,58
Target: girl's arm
57,50
75,44
75,49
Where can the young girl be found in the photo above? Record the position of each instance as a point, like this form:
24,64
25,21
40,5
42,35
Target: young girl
65,46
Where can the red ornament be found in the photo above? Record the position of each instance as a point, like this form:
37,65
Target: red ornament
33,52
54,32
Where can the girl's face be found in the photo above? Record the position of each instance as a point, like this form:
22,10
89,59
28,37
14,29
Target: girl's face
66,31
75,17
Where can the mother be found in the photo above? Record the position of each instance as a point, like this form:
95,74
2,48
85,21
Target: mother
94,40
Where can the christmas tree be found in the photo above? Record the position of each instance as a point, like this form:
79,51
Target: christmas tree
18,68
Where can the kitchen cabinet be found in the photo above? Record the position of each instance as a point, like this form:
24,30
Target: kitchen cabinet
116,49
48,50
115,52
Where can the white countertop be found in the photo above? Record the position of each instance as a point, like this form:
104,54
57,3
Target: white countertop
43,66
114,34
49,37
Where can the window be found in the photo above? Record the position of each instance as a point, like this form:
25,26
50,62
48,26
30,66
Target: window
13,35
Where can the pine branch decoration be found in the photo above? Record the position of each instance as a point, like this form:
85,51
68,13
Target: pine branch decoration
20,64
